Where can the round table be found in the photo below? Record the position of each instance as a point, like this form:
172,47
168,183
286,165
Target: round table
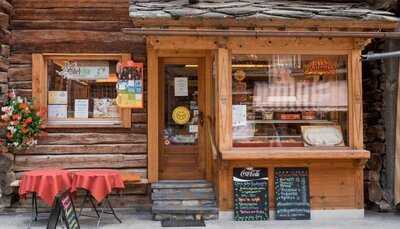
98,182
45,183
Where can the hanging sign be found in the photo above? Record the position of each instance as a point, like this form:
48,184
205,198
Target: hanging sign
85,70
250,194
181,115
292,193
130,85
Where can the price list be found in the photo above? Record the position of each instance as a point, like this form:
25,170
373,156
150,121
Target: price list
292,195
250,194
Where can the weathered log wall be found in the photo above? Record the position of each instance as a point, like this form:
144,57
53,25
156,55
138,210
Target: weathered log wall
70,26
6,174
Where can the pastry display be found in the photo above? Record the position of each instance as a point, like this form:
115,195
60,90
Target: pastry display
289,101
322,136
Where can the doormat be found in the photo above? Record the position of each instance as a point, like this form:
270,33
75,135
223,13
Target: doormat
182,223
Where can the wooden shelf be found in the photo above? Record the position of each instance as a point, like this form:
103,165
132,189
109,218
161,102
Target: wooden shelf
294,153
291,121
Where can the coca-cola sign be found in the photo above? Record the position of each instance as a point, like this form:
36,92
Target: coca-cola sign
250,173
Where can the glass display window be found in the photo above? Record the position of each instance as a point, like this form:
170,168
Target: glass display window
289,100
79,90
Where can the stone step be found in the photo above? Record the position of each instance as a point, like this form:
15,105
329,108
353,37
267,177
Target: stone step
177,184
184,209
169,190
184,203
182,195
160,217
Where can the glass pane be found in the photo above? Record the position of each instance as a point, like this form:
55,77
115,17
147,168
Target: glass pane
289,100
181,107
82,90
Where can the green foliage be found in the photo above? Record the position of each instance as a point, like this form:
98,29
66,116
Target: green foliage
23,122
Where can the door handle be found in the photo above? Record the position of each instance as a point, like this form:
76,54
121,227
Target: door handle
201,118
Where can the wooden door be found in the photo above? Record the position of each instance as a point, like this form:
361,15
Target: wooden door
182,135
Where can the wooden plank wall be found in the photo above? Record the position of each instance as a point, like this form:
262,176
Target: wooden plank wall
77,26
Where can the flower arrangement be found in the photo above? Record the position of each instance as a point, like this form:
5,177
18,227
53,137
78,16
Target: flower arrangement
22,121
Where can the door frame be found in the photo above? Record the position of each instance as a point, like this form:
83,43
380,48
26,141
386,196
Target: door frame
153,105
199,61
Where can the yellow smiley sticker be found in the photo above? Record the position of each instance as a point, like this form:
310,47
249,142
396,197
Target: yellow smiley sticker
181,115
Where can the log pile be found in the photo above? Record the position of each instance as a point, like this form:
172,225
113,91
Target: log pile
374,82
90,26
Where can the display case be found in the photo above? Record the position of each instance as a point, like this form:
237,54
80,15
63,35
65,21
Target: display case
289,100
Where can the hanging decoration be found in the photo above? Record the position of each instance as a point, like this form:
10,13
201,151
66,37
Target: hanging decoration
130,84
321,66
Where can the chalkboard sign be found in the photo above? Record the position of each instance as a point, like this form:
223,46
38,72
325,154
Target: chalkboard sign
250,190
63,206
292,193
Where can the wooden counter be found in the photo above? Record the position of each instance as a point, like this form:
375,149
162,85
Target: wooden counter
294,153
335,175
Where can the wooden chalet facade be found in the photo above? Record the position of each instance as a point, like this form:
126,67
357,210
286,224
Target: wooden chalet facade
220,51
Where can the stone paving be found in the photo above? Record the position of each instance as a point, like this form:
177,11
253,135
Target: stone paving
142,220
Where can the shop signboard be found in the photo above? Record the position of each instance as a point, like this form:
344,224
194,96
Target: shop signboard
64,207
292,194
85,70
250,187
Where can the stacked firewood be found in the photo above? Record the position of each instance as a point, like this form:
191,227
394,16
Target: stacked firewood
374,134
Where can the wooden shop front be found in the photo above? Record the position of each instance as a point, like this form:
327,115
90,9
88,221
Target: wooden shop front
226,85
282,94
266,100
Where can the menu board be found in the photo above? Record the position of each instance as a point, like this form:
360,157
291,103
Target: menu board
250,187
292,193
63,206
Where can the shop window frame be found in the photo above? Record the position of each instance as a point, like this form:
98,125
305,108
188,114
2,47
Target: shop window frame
294,52
354,98
40,87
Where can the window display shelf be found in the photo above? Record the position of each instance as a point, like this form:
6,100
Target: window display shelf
291,122
299,108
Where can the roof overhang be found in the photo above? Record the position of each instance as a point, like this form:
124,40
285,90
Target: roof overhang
261,14
257,33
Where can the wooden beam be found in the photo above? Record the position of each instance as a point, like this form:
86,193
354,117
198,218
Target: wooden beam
23,163
153,113
397,144
224,100
287,153
355,109
39,82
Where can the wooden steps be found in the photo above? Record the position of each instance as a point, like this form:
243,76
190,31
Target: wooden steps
183,199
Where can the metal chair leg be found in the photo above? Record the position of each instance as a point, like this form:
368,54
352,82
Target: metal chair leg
112,210
93,205
82,205
36,208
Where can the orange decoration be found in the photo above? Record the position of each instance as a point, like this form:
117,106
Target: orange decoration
320,66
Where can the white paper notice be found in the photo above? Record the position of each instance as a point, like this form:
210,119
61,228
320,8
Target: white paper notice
193,128
181,86
81,108
57,111
239,115
57,97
